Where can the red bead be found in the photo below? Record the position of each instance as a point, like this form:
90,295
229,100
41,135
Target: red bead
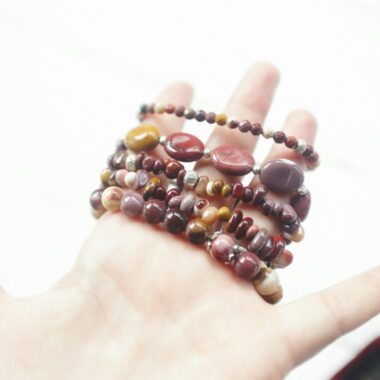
221,247
301,204
232,124
139,159
256,129
148,163
279,246
160,193
259,194
172,168
308,152
179,111
184,147
237,190
242,228
235,219
244,126
291,142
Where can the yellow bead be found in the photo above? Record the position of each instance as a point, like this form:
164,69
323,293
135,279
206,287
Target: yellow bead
144,137
226,190
224,214
111,198
105,176
217,186
209,215
221,119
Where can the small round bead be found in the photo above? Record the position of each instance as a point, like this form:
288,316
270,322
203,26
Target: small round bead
105,176
175,202
279,137
291,142
130,162
172,168
139,159
96,200
224,214
221,247
206,152
244,126
175,221
196,231
200,206
221,119
308,151
242,228
189,113
209,188
187,203
132,204
233,123
210,117
259,240
148,163
256,169
151,187
247,265
154,211
111,198
158,166
237,190
267,206
129,179
200,115
248,195
190,179
235,219
159,108
217,186
226,190
169,108
277,209
141,178
210,214
256,129
268,133
200,189
120,177
143,108
179,111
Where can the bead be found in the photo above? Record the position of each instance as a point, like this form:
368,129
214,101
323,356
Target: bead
189,113
190,179
242,228
221,247
175,201
111,198
131,163
210,117
256,169
179,111
105,176
291,228
226,190
200,206
120,145
258,194
160,193
298,235
206,152
268,248
231,160
154,211
308,151
247,265
184,147
200,188
148,163
129,179
210,188
150,108
277,209
279,137
301,204
209,215
275,297
279,246
187,204
237,190
268,133
172,168
132,204
224,214
144,137
258,241
256,129
200,115
175,221
170,194
252,231
112,179
282,176
196,231
268,206
137,180
235,219
169,108
139,159
217,186
151,187
96,200
301,146
291,142
181,178
118,160
267,282
244,126
233,123
120,177
288,215
159,108
283,260
221,119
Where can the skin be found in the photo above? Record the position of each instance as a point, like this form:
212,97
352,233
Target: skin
141,304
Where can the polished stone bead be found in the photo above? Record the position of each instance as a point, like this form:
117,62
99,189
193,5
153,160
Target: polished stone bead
232,160
252,231
268,248
291,228
181,178
210,214
105,176
221,119
248,195
172,168
129,179
184,147
154,211
151,187
158,166
141,179
200,188
233,222
187,203
120,177
112,179
118,160
175,221
259,194
132,204
139,158
242,227
268,206
200,115
179,111
200,206
144,137
224,213
170,108
175,201
226,190
283,260
291,142
275,297
237,190
210,117
217,186
267,282
196,231
148,163
288,214
258,241
279,137
282,176
96,200
247,265
160,193
111,198
221,247
171,193
301,204
256,129
244,126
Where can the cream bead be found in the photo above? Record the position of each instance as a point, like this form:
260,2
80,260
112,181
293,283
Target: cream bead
209,189
299,235
130,178
210,215
270,283
111,198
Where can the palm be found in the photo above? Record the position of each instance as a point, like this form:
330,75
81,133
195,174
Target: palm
141,304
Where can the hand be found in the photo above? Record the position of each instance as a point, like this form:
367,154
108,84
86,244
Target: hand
142,304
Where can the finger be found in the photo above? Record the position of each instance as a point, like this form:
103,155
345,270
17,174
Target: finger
251,101
315,321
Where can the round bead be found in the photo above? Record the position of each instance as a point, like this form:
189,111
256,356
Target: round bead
247,265
226,190
190,179
144,137
172,168
118,160
148,163
175,221
200,206
187,203
141,179
275,297
210,214
171,193
160,193
105,176
154,211
210,188
129,179
151,187
301,204
282,176
111,198
244,126
196,231
158,166
217,186
232,160
120,177
131,163
256,129
283,260
224,214
175,201
184,147
221,247
268,248
221,119
259,194
132,204
200,115
96,200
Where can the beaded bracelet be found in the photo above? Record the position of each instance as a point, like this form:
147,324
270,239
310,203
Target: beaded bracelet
244,126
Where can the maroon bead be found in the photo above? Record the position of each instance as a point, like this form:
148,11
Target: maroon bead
158,166
244,126
277,209
235,219
179,111
160,193
154,211
132,204
189,113
187,203
291,228
200,115
141,179
148,163
221,247
252,231
301,204
139,159
242,228
210,117
118,160
248,195
170,194
308,152
181,177
96,199
256,129
231,160
175,221
279,246
267,249
175,201
237,190
170,108
268,206
282,176
259,194
232,124
314,158
184,147
247,265
172,168
291,142
279,137
258,241
288,215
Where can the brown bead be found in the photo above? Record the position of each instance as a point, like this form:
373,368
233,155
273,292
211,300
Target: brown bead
160,193
235,219
181,178
139,159
105,176
175,221
189,113
252,231
275,297
179,111
224,214
256,129
172,168
221,119
244,126
200,188
151,187
291,142
169,108
154,211
144,137
226,190
308,152
217,186
258,241
170,194
279,137
148,163
158,166
242,228
196,231
259,194
232,124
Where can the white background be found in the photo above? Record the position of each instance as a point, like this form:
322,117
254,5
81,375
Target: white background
73,73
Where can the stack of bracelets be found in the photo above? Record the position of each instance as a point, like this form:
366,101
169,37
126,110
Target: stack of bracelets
133,183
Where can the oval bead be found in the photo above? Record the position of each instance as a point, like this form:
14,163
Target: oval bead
132,204
231,160
222,246
175,221
144,137
301,203
184,147
282,176
247,265
154,211
196,231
